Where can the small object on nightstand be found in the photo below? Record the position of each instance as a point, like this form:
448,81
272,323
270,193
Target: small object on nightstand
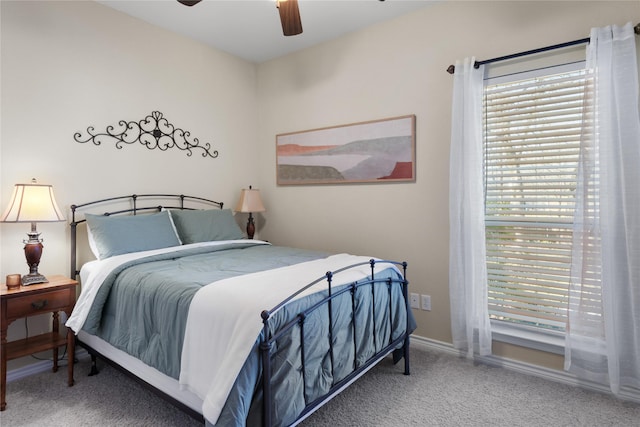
59,294
13,281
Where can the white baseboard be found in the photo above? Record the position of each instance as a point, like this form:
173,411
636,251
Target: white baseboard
427,343
525,368
38,367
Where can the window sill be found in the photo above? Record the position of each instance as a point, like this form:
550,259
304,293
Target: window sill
525,336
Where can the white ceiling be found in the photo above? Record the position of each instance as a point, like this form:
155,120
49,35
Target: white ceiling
251,29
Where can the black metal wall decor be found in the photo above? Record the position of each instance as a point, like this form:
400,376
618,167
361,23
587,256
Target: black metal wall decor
154,131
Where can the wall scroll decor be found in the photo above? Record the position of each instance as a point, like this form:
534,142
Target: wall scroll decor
154,131
374,151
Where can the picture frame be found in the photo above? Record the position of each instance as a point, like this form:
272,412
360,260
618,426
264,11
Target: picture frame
376,151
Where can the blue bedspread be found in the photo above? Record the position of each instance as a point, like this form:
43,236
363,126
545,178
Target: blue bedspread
142,309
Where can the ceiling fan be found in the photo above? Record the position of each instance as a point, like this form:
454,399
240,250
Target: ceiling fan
289,15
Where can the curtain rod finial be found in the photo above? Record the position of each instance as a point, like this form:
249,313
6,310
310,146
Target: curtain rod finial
636,29
451,69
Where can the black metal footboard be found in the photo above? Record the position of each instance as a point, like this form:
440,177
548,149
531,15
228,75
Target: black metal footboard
400,343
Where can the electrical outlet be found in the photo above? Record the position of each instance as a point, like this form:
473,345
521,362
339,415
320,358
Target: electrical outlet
426,302
414,299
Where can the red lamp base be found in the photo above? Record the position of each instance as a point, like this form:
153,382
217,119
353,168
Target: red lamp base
33,252
251,228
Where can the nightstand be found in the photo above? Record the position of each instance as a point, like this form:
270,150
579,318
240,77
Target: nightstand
57,295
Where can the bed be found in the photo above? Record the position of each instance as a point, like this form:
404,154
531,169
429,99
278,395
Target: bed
233,331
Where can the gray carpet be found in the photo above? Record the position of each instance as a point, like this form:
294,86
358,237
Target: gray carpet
442,390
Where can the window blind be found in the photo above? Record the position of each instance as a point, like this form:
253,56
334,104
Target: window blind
532,131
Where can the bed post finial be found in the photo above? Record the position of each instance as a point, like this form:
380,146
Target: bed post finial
265,352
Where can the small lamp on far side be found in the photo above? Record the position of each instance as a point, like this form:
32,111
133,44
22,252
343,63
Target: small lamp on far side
32,203
250,202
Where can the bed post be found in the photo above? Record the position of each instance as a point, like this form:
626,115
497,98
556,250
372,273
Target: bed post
265,350
329,277
405,292
73,224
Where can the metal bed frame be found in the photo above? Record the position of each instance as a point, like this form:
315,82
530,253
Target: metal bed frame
398,346
326,303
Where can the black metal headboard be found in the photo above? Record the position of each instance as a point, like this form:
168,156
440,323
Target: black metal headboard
136,203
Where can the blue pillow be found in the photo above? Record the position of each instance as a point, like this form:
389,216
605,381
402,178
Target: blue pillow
116,235
206,225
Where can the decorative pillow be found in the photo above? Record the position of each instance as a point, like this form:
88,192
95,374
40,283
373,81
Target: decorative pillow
116,235
206,225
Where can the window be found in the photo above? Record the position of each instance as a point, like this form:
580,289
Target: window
532,129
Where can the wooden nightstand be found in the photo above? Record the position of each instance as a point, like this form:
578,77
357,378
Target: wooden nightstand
57,295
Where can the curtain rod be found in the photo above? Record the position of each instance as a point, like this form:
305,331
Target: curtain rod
477,64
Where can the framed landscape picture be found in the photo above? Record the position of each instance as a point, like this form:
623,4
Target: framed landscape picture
374,151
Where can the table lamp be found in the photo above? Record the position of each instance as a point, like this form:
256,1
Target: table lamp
250,202
32,203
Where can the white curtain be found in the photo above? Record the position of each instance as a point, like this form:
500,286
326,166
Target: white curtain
603,330
470,326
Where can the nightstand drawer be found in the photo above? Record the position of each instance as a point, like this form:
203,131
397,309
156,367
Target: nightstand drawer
44,302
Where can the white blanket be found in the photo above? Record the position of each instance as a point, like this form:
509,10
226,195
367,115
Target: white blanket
224,322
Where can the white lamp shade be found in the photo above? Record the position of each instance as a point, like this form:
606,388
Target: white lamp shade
32,203
250,201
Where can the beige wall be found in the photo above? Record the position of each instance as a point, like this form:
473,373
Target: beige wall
392,69
69,65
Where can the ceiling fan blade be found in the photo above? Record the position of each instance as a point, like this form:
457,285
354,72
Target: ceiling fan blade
189,2
289,17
